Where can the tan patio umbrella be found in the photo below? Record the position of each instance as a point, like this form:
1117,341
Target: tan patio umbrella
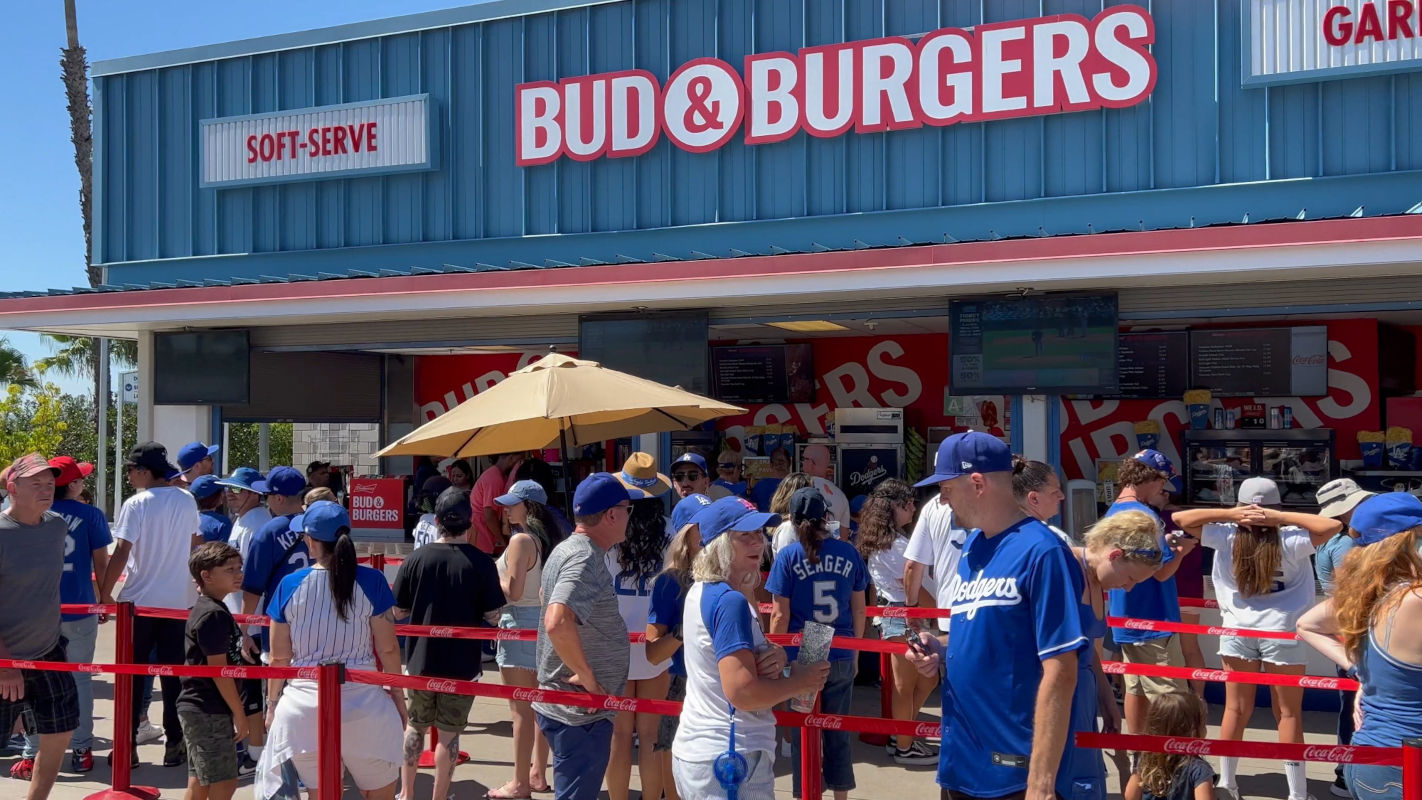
558,401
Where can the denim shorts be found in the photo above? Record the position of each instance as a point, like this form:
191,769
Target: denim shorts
891,627
519,655
666,729
1273,651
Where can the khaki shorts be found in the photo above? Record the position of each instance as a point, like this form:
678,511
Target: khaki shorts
447,712
1163,652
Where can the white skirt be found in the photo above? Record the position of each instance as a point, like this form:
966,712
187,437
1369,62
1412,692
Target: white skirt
370,725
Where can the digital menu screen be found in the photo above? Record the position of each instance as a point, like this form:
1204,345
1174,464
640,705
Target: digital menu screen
1260,362
1153,365
774,373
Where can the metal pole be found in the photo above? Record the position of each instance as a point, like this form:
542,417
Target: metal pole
118,459
101,406
329,678
264,447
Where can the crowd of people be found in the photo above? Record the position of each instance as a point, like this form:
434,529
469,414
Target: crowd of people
1017,658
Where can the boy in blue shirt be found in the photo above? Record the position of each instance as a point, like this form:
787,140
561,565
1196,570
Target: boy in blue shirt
1146,480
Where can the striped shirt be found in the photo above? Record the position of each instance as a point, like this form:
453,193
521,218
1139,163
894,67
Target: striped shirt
303,600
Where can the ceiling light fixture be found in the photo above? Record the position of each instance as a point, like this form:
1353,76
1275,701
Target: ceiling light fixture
808,326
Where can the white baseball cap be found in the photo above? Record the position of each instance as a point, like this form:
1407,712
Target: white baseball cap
1259,491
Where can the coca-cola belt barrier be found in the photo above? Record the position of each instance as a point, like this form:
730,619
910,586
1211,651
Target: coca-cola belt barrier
165,670
1230,676
830,722
1185,627
1333,754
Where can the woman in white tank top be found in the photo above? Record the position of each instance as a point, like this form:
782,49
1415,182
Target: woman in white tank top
534,534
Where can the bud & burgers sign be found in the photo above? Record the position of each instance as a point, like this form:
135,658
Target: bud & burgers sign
1021,68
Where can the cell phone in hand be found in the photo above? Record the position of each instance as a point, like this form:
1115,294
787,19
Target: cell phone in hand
916,645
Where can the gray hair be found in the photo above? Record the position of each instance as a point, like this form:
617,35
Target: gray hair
713,564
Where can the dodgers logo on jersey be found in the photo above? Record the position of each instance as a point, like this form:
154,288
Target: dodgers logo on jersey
967,597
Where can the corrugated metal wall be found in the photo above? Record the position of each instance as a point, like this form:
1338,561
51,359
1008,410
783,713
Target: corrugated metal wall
1199,128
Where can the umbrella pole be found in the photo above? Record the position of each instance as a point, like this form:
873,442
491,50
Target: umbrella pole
567,473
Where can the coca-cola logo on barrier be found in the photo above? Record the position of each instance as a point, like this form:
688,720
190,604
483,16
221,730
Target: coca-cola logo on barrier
925,730
824,721
528,695
447,687
1114,668
1216,675
1193,747
308,673
1310,682
23,665
894,612
162,672
1215,630
233,672
1335,754
507,635
442,633
1140,625
620,704
93,668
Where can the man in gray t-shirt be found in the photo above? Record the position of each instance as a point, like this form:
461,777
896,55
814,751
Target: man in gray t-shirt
32,541
582,640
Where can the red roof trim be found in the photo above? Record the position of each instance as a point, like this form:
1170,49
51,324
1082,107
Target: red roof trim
1049,248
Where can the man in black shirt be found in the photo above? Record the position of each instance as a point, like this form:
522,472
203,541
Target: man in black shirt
211,709
447,583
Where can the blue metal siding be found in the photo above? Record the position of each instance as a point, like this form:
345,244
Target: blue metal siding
1200,128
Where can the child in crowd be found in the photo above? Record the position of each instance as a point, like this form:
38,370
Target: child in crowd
210,709
1168,776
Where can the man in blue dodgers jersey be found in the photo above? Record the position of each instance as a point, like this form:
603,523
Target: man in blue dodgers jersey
275,551
1146,480
1014,637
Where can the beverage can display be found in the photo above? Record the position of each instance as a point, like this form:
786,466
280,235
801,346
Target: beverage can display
1288,417
1219,418
1276,418
1230,419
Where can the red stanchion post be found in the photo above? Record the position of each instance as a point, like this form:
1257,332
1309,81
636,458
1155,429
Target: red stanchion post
1412,769
122,754
811,773
886,701
329,677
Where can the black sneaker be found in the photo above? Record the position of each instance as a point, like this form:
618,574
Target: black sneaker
175,754
246,766
917,754
1339,788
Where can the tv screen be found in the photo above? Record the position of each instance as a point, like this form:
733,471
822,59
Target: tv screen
201,368
771,373
1154,365
1046,344
1260,362
670,348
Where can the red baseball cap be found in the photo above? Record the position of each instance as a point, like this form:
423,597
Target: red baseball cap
26,466
70,470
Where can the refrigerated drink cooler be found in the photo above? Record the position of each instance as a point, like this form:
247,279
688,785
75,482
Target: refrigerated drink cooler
870,448
1217,461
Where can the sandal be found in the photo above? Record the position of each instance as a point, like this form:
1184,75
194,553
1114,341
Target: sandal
505,793
544,788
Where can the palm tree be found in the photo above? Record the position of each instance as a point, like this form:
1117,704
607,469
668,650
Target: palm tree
74,71
74,355
13,368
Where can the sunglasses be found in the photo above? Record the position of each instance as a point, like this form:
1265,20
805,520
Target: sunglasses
1148,553
685,476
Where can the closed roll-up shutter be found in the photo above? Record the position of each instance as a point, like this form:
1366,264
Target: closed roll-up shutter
311,387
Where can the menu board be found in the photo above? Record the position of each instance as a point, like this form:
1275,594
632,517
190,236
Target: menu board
1153,365
1260,362
775,373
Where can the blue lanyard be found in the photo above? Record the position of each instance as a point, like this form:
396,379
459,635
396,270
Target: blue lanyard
730,767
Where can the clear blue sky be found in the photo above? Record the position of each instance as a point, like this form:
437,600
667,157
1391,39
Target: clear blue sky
41,238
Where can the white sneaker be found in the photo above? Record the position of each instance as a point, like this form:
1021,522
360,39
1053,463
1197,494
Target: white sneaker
1230,792
148,733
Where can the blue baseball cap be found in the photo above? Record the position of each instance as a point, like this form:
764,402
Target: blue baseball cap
1385,515
193,452
808,503
323,521
205,486
600,491
284,481
521,491
968,452
244,478
692,459
687,508
1159,461
731,514
857,504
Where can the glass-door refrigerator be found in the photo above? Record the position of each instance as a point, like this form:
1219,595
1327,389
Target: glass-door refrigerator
1299,461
